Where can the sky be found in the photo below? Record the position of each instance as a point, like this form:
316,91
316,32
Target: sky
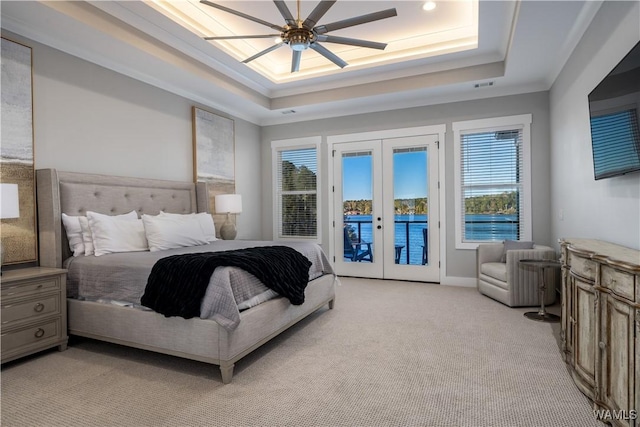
408,168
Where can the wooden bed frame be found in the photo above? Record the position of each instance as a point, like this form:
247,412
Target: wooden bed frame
197,339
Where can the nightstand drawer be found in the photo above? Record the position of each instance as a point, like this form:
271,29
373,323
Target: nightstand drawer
31,287
30,336
33,308
33,311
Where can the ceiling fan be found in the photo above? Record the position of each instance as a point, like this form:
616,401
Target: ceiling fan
302,35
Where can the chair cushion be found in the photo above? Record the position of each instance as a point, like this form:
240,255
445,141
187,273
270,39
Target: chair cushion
514,244
497,270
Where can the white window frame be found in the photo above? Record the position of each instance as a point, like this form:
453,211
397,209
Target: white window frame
289,145
487,125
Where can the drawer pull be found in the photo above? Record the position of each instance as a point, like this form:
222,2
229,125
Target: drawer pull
39,333
38,307
602,345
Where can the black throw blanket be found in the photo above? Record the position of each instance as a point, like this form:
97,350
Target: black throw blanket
177,284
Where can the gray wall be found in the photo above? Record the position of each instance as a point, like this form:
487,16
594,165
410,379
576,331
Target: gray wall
90,119
607,209
460,263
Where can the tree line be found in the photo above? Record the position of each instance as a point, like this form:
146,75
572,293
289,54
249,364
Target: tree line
418,206
504,203
299,211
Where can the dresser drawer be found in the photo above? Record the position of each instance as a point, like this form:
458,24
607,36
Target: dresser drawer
29,309
31,336
32,287
620,282
583,267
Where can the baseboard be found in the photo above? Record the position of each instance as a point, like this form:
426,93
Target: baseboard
464,282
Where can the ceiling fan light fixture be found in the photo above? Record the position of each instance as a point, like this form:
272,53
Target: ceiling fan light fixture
299,46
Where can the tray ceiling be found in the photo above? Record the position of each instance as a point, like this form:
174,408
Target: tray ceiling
463,49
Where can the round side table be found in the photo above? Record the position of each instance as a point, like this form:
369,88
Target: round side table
542,265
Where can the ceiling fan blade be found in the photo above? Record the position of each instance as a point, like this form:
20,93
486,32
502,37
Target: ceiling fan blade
285,12
328,54
295,60
259,54
363,19
258,36
242,15
352,42
317,13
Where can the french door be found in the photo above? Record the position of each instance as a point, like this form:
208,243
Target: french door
386,208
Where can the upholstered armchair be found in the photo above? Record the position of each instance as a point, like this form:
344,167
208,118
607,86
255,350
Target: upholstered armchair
501,277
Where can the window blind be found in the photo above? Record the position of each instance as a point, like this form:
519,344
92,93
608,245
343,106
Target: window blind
297,192
491,164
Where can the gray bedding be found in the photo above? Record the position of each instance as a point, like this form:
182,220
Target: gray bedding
121,278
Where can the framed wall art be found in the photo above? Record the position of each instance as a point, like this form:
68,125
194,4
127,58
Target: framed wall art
214,156
18,233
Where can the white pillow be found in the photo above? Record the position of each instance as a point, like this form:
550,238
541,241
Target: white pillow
207,225
173,231
74,233
119,233
163,213
87,237
205,220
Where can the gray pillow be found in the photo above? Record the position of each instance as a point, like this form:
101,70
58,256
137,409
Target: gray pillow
514,244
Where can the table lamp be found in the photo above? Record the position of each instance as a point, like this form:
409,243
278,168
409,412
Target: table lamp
228,204
9,208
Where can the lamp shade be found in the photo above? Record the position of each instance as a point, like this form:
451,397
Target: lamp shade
228,203
9,202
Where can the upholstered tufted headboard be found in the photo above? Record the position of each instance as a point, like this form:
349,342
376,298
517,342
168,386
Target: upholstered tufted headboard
75,193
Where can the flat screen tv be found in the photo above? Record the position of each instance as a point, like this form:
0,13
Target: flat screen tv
614,107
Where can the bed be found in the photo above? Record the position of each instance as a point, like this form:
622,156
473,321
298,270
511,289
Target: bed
202,339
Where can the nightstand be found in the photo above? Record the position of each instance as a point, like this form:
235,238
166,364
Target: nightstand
33,311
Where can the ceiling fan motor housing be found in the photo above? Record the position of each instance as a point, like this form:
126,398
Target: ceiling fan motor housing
298,39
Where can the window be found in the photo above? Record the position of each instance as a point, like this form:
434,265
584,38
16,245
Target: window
296,188
493,180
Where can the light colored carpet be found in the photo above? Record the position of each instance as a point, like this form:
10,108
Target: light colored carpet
389,354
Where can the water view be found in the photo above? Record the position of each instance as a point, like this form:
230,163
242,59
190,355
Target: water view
409,234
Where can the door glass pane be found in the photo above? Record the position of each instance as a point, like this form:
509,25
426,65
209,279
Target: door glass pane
357,202
410,188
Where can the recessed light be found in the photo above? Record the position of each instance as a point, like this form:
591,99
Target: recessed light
430,5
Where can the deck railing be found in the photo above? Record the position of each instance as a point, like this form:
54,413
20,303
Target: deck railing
403,232
494,230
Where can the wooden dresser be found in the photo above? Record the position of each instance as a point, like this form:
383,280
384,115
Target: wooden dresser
600,325
34,311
